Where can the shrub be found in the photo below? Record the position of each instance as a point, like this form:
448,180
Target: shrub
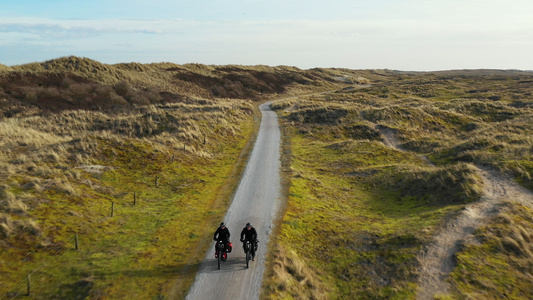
122,88
437,186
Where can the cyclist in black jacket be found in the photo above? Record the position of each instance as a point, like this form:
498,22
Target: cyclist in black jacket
249,233
222,234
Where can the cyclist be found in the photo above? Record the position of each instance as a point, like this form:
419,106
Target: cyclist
221,234
249,233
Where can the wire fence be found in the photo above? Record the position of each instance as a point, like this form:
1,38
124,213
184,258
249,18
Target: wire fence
34,281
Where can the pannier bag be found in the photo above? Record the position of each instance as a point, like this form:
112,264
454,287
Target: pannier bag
230,247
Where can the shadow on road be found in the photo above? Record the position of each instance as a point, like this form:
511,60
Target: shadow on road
182,270
231,265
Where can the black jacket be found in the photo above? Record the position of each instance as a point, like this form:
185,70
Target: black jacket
222,234
250,235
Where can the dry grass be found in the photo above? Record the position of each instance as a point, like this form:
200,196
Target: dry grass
244,82
63,119
25,230
9,203
501,265
76,135
343,175
4,68
291,278
48,147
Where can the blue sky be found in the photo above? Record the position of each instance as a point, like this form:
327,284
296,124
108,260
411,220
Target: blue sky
418,35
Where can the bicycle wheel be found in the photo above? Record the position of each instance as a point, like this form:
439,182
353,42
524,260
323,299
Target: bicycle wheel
247,255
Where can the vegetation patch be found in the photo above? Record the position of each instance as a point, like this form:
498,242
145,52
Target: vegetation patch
107,169
374,172
292,278
121,181
358,237
456,184
122,186
500,266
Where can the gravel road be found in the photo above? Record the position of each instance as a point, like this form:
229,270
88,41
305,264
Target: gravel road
257,201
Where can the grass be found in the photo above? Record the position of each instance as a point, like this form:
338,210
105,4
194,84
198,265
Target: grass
77,75
69,151
359,212
357,236
150,242
501,265
77,135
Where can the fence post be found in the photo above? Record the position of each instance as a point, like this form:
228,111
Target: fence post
76,241
156,179
112,209
134,198
29,284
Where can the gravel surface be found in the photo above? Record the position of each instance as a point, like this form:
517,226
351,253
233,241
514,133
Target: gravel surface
257,201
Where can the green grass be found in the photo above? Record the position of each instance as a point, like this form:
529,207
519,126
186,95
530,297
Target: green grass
358,213
142,247
144,250
358,236
176,135
501,265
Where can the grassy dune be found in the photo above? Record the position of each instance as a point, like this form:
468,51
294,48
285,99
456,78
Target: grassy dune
78,137
71,148
64,171
359,211
207,81
502,263
4,68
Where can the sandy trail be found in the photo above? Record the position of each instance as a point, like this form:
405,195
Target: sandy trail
437,258
388,137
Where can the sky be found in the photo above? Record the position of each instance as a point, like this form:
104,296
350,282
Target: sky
408,35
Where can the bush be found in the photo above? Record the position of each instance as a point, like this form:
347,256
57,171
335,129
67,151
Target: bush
453,184
122,88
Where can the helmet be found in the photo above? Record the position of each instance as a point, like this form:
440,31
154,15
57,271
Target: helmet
248,225
222,224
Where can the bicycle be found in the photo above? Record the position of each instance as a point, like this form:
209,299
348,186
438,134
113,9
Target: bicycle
248,251
221,252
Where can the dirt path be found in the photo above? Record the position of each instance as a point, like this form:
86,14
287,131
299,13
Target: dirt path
437,259
389,139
